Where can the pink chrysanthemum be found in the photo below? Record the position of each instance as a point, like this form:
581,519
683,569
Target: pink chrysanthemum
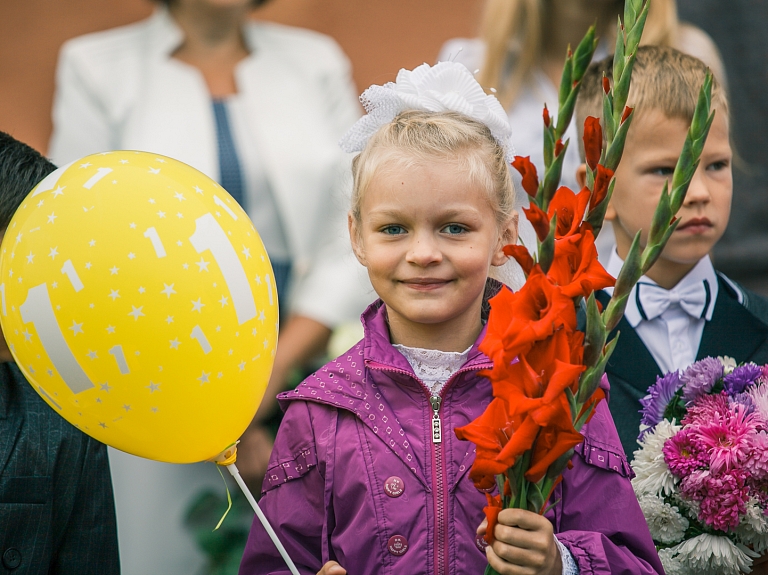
724,500
757,463
759,395
728,438
706,408
685,453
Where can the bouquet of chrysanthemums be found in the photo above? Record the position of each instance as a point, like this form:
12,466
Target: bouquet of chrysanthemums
702,467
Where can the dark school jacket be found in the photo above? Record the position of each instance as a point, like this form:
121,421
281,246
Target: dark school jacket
57,511
738,328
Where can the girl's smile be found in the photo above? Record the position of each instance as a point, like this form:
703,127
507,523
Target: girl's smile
428,235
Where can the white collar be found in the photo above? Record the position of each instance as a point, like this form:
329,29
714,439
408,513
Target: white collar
703,271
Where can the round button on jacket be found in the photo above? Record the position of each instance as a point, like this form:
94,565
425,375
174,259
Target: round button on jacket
394,486
11,558
397,545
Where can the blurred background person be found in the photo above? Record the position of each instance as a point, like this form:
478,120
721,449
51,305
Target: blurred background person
260,108
521,50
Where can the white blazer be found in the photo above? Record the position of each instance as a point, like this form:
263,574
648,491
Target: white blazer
121,89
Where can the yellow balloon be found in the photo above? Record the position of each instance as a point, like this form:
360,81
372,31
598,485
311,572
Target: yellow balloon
139,302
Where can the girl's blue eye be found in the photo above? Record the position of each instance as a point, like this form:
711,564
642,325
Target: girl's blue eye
717,166
663,171
454,229
393,230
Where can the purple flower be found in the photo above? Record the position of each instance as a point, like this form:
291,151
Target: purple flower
742,376
743,399
700,377
659,395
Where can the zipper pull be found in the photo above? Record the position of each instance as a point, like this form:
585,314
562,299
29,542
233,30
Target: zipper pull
437,427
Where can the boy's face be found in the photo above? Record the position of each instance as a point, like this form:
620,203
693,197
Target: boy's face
652,148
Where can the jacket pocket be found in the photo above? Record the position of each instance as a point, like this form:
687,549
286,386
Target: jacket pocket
30,489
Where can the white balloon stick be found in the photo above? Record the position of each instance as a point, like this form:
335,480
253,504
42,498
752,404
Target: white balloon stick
264,521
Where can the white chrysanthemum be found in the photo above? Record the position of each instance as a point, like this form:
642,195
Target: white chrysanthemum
651,471
446,86
671,562
753,529
665,522
714,555
729,364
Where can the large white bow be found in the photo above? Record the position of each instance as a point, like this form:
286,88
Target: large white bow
653,300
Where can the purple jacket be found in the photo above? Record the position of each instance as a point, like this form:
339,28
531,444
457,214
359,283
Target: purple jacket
355,477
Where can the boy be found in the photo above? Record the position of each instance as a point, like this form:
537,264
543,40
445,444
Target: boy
682,310
57,514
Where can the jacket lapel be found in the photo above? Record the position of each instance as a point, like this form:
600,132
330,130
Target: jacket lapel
11,419
733,331
637,363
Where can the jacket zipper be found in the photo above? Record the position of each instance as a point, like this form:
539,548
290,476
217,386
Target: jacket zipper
440,488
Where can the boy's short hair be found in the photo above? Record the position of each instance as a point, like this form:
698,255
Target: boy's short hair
663,79
21,169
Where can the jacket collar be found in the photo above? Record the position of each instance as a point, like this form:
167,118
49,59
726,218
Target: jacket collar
165,35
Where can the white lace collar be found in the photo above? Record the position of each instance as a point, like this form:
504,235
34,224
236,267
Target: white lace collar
432,366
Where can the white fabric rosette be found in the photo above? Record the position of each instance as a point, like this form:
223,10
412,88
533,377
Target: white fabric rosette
444,87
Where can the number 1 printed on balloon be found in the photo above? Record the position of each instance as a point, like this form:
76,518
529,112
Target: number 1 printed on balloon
37,309
210,236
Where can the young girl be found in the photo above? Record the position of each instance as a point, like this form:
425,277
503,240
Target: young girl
367,475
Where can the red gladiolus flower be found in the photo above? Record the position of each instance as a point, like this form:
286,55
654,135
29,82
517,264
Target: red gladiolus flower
539,220
519,319
593,141
492,511
626,113
490,433
521,255
570,210
545,114
602,180
606,85
528,171
550,445
558,147
575,267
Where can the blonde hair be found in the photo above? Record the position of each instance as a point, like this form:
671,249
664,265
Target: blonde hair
417,137
663,79
514,34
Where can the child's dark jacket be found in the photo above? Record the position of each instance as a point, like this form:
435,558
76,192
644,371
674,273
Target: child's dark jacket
738,329
57,513
355,477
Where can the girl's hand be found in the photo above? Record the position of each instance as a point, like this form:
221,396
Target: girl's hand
332,568
525,545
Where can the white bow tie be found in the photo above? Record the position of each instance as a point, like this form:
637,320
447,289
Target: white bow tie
653,300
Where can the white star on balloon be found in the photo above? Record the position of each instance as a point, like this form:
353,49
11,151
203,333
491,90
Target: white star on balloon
136,312
59,191
169,319
224,301
154,170
153,387
92,355
203,378
168,290
85,165
30,257
246,252
202,264
92,243
54,253
27,335
52,217
179,196
131,255
175,343
161,214
113,270
88,265
114,294
76,327
110,329
198,190
198,306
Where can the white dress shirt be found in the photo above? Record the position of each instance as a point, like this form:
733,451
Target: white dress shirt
673,337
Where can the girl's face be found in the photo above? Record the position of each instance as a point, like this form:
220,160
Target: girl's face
428,237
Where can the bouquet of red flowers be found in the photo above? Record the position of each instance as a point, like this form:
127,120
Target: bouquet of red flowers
702,466
546,371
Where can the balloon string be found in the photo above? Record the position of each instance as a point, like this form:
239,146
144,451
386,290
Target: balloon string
229,500
264,521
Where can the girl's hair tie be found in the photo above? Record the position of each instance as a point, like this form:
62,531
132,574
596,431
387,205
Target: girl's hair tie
444,87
